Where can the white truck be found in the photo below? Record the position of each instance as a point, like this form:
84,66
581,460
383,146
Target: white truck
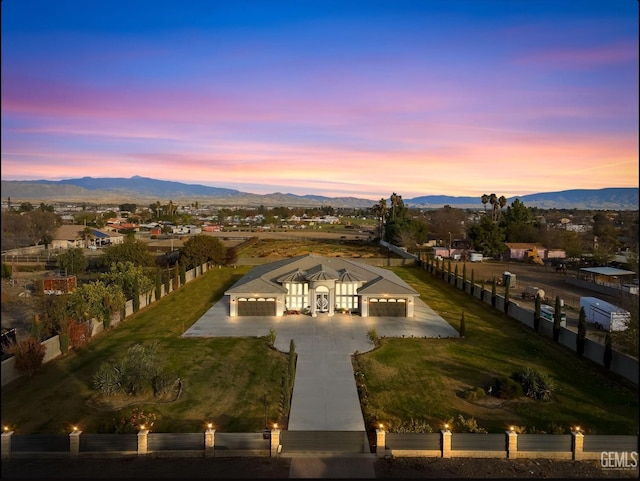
603,315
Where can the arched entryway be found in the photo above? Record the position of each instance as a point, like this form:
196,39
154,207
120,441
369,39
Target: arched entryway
322,301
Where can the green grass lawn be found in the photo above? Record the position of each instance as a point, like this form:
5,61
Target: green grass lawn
224,379
424,379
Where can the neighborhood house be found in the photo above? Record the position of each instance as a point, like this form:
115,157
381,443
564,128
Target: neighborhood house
320,285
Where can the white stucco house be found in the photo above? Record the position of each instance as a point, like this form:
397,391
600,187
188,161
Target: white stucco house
320,285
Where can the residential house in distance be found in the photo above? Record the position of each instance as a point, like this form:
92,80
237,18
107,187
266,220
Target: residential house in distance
72,236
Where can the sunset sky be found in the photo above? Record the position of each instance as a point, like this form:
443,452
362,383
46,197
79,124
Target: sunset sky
337,98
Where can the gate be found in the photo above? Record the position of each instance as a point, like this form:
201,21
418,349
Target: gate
330,442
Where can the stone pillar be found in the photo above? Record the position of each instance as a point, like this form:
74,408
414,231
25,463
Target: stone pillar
142,441
577,444
6,444
446,443
512,444
209,442
74,443
275,442
381,442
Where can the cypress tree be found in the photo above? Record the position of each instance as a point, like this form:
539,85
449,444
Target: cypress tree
463,328
464,277
473,283
493,292
183,274
136,296
507,295
455,276
158,284
608,353
537,314
557,319
582,332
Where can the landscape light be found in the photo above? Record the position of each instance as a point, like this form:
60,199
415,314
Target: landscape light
142,426
210,425
5,428
381,426
511,428
446,426
74,428
275,425
578,429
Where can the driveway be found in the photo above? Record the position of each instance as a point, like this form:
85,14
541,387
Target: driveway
325,397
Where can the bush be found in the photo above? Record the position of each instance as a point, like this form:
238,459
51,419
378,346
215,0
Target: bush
372,335
474,394
469,425
271,337
411,426
535,384
29,355
507,388
6,271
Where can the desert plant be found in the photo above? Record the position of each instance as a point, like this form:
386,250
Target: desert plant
411,426
535,384
474,394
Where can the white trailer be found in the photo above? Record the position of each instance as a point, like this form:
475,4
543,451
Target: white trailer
604,315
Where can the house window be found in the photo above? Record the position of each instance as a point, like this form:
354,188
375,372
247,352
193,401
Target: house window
297,296
347,295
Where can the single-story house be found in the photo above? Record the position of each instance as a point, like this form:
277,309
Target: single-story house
72,236
320,285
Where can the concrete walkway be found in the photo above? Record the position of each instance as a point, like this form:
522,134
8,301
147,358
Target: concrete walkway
325,397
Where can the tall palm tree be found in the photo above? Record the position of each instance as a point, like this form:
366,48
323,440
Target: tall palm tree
502,201
381,211
485,199
493,200
394,203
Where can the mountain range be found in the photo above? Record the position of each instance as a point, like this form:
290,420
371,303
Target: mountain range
144,189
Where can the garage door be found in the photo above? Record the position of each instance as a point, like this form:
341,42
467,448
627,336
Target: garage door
387,307
256,306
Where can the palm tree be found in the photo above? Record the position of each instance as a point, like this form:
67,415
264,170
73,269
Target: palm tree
493,200
394,203
380,210
502,201
485,199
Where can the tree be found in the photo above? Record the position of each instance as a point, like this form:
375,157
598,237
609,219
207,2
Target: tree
493,292
582,332
484,199
507,295
129,251
28,354
129,277
473,282
201,249
608,351
487,237
537,314
96,300
72,262
183,274
158,281
463,328
557,319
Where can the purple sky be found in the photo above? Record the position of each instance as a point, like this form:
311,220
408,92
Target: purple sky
358,98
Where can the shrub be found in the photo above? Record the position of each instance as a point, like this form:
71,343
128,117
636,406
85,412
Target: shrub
474,394
28,354
463,329
372,335
271,337
507,388
535,384
411,426
469,425
6,271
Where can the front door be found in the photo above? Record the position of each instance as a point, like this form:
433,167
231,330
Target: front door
322,302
